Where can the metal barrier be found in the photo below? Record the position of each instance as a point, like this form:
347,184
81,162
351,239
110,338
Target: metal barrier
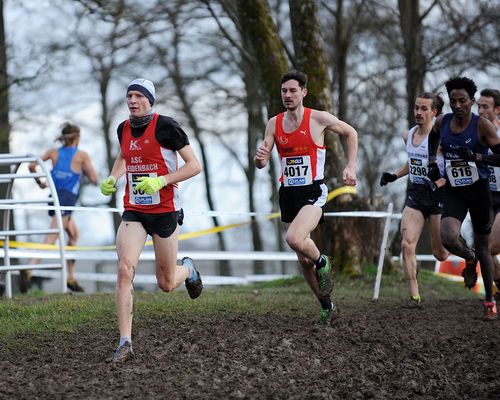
8,204
148,255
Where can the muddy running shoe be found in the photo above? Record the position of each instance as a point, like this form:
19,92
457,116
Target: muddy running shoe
25,281
327,314
193,283
74,286
490,310
470,273
497,293
123,353
324,317
325,278
412,303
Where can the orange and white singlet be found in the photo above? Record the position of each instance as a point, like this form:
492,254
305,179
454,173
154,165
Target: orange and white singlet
145,157
302,160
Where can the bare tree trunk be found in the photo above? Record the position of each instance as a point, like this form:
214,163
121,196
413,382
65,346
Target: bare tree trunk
333,235
255,128
310,58
258,28
411,30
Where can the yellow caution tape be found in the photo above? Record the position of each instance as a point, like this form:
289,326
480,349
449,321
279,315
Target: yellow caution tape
184,236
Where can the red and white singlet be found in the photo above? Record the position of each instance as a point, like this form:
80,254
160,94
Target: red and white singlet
145,157
302,160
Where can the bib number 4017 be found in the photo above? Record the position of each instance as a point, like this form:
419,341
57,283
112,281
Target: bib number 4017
298,170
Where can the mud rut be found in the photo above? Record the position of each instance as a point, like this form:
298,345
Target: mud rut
378,352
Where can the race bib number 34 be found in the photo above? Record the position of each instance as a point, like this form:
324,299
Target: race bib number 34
296,171
139,197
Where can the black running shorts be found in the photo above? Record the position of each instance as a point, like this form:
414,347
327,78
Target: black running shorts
476,199
292,199
425,200
67,199
163,224
495,202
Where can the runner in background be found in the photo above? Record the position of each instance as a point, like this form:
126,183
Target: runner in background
69,165
467,183
424,198
488,106
299,135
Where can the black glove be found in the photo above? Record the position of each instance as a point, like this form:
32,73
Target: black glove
387,177
433,172
464,153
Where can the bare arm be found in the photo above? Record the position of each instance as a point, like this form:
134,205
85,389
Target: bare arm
403,171
264,150
341,128
88,168
487,137
118,167
190,168
487,133
48,155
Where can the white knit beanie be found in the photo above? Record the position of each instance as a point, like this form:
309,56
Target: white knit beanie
145,87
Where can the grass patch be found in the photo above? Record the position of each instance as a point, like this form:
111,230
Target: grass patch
40,315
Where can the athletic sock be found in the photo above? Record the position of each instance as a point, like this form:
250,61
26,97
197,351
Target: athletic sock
320,262
125,339
192,273
326,303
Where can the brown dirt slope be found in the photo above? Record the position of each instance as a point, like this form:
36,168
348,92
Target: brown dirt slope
378,352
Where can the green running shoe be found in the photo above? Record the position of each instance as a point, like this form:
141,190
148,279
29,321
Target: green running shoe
327,314
325,278
412,303
324,317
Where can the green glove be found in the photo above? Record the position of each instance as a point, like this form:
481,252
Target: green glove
151,185
108,185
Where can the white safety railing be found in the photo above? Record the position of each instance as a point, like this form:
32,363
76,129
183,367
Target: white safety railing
197,255
9,204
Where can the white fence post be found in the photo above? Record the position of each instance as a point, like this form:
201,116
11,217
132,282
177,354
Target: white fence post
381,257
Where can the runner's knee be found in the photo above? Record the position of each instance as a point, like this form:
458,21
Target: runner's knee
440,254
408,247
125,273
294,241
166,285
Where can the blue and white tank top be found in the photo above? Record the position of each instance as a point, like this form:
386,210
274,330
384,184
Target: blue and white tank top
63,176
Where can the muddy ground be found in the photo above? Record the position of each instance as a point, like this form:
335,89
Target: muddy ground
376,352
